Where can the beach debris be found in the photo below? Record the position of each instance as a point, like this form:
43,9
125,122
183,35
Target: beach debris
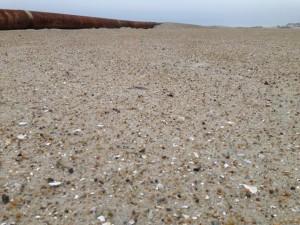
248,161
139,88
77,130
5,199
71,170
159,186
185,216
106,223
131,222
22,155
101,218
101,125
240,154
261,156
23,123
226,165
252,189
22,136
55,183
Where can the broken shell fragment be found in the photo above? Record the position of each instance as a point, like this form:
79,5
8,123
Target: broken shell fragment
22,136
252,189
55,184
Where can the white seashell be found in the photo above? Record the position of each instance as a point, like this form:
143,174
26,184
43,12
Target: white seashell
77,130
55,183
226,165
23,123
22,136
101,218
252,189
159,186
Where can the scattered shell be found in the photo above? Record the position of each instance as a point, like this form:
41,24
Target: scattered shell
55,183
23,123
100,125
131,222
77,130
101,218
226,165
247,161
22,136
252,189
240,154
159,186
185,216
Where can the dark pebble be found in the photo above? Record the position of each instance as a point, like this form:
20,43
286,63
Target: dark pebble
71,170
5,198
293,188
197,169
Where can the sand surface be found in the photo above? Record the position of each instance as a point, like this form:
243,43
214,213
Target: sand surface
174,125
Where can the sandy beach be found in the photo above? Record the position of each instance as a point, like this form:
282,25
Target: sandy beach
172,125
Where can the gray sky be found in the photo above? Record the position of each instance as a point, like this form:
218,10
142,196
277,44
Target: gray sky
202,12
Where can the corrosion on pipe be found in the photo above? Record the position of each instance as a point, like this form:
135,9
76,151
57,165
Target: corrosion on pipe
23,19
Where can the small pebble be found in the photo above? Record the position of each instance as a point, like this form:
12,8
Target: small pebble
23,123
214,222
5,199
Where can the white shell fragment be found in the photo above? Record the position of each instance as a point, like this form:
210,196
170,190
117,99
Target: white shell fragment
131,222
252,189
77,130
100,125
23,123
101,218
55,183
22,136
159,186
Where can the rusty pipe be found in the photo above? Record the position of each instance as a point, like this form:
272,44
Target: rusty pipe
23,19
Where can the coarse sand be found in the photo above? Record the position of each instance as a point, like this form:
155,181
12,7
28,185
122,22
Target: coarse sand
172,125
